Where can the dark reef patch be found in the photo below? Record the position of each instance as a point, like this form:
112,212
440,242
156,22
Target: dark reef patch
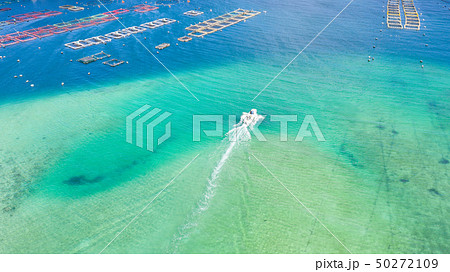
380,127
443,161
82,180
404,180
353,160
434,191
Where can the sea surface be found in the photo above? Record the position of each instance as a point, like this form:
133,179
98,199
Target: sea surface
70,183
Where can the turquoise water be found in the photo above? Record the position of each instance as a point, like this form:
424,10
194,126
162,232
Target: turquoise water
70,182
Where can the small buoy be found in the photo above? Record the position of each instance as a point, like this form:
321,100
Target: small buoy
210,10
32,85
426,44
26,81
374,46
62,52
176,44
421,61
123,44
70,60
424,34
368,60
62,83
15,76
127,62
39,48
157,52
20,75
168,31
19,59
373,58
89,73
376,39
145,38
381,30
422,66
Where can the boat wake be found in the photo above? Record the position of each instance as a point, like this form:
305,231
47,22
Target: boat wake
239,134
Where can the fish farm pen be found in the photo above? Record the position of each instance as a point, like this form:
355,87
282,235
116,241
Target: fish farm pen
49,30
218,23
98,56
394,16
119,34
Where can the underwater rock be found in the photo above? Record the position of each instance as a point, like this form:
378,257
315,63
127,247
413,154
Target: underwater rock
443,161
82,179
354,161
434,191
380,126
394,132
9,209
404,180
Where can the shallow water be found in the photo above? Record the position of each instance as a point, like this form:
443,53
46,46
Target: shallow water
70,182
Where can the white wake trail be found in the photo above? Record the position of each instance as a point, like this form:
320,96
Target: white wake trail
239,134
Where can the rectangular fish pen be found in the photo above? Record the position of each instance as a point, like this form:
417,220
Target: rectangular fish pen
215,24
113,62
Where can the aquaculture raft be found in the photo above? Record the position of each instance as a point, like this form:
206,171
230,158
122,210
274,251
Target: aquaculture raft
26,17
71,8
162,46
220,22
184,39
98,56
394,19
113,62
193,13
412,20
119,34
144,8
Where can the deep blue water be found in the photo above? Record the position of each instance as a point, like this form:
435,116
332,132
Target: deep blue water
271,38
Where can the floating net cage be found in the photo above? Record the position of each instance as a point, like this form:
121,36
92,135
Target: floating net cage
162,46
144,8
49,30
113,62
193,13
184,39
394,18
98,56
215,24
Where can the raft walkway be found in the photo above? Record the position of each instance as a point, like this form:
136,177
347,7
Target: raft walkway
218,23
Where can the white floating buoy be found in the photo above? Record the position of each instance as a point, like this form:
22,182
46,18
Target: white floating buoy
32,85
20,75
15,76
89,73
27,81
62,83
18,60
